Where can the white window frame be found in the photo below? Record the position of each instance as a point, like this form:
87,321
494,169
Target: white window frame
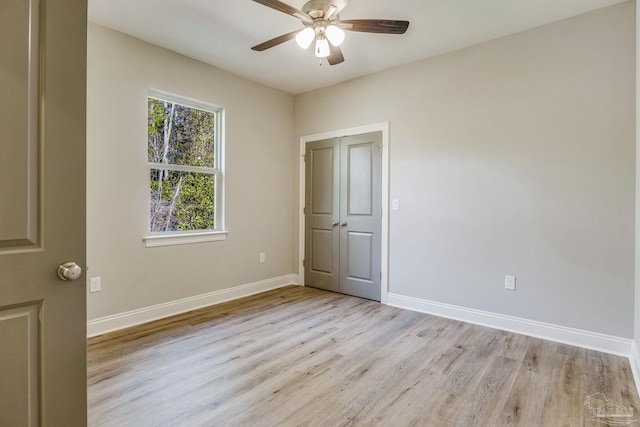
169,238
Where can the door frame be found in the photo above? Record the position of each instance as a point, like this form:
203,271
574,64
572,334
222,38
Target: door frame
384,238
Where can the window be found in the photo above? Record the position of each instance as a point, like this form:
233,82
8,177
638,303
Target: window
185,174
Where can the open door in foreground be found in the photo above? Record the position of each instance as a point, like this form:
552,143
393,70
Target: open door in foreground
42,212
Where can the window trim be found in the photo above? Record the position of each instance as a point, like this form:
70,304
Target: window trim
156,240
169,238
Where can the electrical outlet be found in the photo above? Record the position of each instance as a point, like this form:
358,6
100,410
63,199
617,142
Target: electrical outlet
263,257
510,282
95,284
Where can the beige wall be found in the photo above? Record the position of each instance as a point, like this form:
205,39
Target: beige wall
259,178
515,156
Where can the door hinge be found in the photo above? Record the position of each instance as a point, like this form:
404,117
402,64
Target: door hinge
303,263
304,210
380,148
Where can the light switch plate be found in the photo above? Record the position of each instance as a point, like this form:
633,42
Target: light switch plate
395,204
95,284
510,282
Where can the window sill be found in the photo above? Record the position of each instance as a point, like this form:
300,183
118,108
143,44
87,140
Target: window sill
183,239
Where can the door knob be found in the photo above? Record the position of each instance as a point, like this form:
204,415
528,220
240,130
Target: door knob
343,223
69,271
334,223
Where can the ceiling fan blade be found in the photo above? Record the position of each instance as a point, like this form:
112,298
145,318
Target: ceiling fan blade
335,55
381,26
275,41
284,8
335,7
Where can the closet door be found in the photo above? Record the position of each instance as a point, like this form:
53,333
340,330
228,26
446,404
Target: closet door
343,214
361,215
322,199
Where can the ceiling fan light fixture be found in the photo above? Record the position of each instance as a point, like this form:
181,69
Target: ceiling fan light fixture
322,47
335,35
322,24
305,37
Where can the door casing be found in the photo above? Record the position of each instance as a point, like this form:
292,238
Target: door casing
384,259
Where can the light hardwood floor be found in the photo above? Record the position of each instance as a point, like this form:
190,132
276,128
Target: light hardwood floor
302,357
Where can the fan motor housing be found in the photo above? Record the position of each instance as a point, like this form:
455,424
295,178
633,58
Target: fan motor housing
315,8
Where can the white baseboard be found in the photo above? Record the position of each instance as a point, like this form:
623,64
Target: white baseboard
635,366
577,337
147,314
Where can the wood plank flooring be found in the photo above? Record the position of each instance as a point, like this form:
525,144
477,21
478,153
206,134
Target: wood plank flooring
303,357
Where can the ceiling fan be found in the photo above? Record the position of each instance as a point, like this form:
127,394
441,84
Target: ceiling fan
322,24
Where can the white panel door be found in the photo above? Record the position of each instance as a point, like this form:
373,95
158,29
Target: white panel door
42,212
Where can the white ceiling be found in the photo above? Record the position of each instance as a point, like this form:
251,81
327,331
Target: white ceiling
221,32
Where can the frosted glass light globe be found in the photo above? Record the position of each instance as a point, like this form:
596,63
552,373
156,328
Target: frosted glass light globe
322,48
334,34
305,37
